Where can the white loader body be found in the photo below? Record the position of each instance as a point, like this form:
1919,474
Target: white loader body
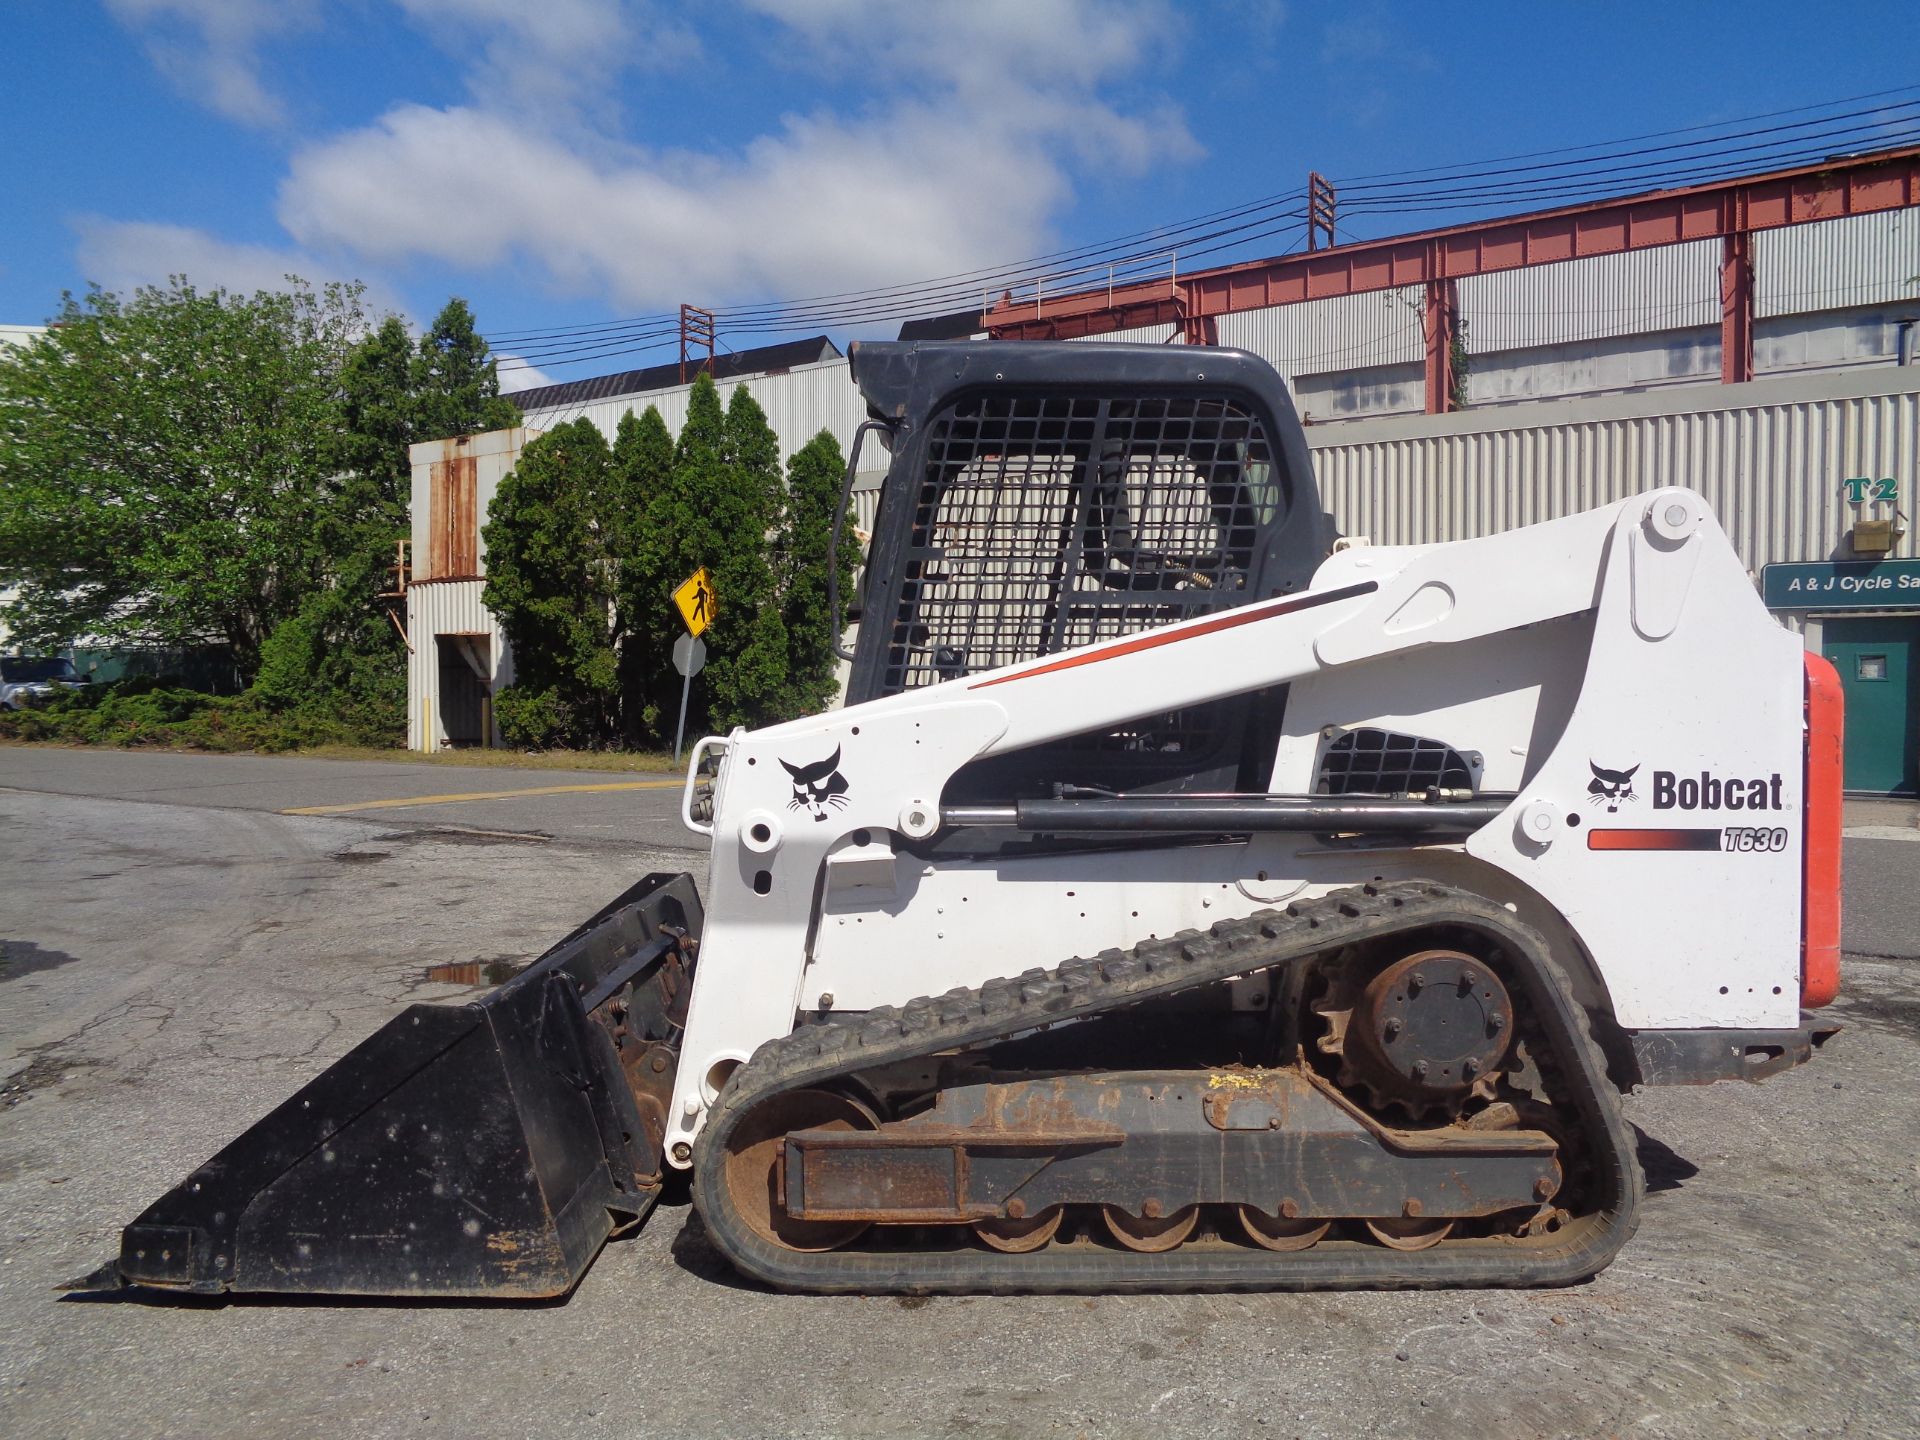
1626,640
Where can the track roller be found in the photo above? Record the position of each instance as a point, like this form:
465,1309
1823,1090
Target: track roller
1017,1237
1277,1232
1150,1236
1410,1234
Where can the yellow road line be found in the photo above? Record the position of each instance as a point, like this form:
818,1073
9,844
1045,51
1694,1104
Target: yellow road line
408,801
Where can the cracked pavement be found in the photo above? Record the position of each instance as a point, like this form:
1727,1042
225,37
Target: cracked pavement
175,961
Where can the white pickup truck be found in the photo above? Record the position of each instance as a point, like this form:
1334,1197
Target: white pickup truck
34,679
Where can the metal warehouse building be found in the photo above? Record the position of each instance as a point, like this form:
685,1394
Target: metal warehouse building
1781,461
1754,339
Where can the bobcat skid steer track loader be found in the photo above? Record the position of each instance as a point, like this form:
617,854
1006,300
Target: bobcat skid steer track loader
1176,903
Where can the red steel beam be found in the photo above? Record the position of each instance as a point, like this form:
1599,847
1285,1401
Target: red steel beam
1736,305
1888,180
1439,324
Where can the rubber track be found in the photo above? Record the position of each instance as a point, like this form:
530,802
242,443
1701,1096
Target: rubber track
969,1018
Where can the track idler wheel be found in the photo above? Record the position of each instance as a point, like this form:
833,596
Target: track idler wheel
1017,1237
753,1160
1150,1235
1278,1232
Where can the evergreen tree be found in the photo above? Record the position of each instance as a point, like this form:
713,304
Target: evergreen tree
748,684
454,380
814,477
548,582
647,622
683,532
379,419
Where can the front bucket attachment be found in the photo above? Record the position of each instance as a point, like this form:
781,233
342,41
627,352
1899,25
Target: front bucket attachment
482,1150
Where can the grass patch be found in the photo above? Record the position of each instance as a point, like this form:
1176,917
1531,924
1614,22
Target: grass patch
146,712
148,715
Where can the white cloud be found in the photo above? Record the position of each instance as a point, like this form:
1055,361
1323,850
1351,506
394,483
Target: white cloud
963,157
124,254
555,58
516,374
210,48
819,206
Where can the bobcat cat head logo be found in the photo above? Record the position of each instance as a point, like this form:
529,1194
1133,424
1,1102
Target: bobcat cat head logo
1612,786
818,785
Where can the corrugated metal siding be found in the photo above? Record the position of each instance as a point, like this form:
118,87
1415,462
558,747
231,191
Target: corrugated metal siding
1634,293
799,405
447,607
1139,335
1833,264
865,510
1770,462
1345,332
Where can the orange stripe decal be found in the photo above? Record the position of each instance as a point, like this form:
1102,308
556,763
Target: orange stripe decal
1653,839
1153,639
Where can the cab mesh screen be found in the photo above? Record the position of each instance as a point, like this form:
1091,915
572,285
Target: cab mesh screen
1046,522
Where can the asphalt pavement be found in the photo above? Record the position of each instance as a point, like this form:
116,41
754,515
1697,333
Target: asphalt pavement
581,806
179,953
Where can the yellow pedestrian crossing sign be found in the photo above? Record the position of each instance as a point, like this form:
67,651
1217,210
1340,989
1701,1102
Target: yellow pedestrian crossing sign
697,602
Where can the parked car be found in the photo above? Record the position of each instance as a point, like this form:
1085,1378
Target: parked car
34,679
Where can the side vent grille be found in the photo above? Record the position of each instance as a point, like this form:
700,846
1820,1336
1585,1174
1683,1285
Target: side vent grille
1381,762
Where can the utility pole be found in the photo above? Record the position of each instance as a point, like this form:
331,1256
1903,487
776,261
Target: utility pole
1321,202
697,327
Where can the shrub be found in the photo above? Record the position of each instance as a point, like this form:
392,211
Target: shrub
533,719
148,711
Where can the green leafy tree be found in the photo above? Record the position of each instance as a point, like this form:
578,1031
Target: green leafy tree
814,477
168,464
456,389
338,653
337,660
548,582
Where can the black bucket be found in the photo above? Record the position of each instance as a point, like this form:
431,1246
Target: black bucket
479,1150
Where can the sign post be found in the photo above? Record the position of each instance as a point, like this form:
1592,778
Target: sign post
698,605
689,655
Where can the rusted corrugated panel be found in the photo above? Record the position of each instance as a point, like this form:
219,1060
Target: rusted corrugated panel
455,541
453,484
1833,264
1768,457
463,519
438,562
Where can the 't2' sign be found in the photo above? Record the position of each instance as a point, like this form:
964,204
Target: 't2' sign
1863,488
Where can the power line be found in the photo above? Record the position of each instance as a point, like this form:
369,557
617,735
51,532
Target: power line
1597,168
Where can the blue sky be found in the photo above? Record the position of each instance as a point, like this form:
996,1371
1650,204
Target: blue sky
569,161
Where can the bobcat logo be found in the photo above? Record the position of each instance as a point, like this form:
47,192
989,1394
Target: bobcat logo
818,785
1612,786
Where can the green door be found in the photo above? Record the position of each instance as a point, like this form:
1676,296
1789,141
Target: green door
1875,655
